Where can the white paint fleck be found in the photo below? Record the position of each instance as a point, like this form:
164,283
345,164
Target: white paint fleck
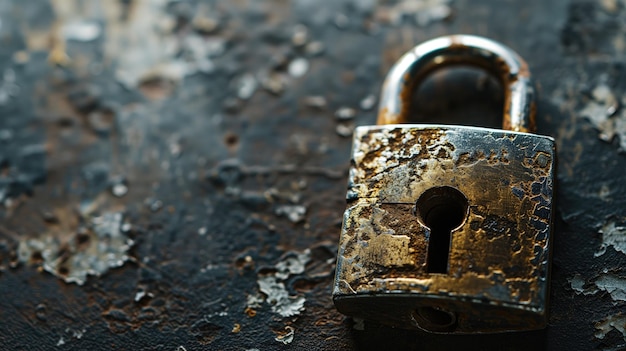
61,342
216,314
616,321
154,204
344,130
255,301
278,297
246,86
76,334
298,67
577,283
273,288
119,189
610,283
599,109
602,110
295,213
614,285
424,12
139,295
175,146
292,265
315,101
614,235
81,30
345,113
286,338
368,102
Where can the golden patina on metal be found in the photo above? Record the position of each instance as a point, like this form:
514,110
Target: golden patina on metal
499,185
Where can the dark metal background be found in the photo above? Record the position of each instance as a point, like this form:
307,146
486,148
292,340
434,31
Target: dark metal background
216,184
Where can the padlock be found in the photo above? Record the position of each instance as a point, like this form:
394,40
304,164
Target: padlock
448,229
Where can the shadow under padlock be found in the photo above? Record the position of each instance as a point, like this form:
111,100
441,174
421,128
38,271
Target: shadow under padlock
374,336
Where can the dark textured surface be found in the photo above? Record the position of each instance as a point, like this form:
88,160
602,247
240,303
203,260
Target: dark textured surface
213,179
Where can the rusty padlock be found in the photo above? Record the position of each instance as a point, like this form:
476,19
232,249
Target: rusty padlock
448,228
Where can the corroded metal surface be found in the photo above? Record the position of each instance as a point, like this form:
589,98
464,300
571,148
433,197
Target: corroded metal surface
499,256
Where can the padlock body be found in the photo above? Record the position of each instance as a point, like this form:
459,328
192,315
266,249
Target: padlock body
404,183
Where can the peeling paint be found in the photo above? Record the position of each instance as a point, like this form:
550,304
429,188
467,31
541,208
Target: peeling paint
292,265
614,285
577,283
142,47
610,283
602,110
278,297
147,46
273,287
254,301
96,248
70,334
287,337
614,235
616,321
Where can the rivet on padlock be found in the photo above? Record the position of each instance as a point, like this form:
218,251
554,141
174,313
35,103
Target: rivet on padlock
448,228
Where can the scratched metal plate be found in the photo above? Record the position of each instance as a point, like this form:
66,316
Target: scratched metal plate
499,257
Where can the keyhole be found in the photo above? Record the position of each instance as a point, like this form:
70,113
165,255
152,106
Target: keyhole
441,209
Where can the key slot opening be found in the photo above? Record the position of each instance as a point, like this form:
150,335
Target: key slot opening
442,210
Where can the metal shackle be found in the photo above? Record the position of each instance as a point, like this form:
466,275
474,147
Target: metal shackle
497,59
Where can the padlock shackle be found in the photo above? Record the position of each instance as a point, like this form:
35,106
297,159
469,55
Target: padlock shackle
497,59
